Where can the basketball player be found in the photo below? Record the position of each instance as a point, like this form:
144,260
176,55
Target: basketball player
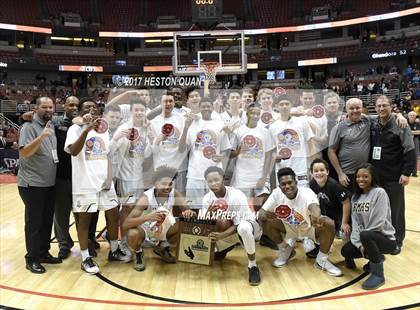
132,143
244,224
234,116
290,213
253,151
292,136
152,219
167,129
208,144
248,97
265,98
92,182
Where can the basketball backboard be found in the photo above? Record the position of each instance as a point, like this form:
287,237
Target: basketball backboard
193,48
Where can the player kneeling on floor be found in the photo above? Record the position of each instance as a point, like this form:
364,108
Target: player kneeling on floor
290,213
230,205
152,220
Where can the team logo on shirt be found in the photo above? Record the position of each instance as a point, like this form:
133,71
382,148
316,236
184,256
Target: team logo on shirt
95,149
288,139
251,147
137,147
206,141
172,135
289,215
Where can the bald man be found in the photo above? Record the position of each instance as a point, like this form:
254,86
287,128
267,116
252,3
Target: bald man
36,180
349,143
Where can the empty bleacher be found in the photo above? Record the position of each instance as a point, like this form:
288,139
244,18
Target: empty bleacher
55,7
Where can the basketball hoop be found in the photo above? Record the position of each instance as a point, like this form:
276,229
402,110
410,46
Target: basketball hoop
210,70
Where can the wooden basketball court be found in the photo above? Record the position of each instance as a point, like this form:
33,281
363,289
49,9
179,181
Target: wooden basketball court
225,285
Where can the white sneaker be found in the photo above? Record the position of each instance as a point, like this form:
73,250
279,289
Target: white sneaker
285,254
89,266
325,265
126,250
308,245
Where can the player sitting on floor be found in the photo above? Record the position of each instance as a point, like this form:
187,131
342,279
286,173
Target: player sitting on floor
240,218
152,219
290,213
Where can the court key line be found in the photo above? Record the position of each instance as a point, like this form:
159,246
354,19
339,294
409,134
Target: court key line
167,305
129,290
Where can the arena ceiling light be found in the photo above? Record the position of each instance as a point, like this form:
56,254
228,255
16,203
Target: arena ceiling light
320,61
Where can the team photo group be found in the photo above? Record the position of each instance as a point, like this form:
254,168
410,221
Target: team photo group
272,167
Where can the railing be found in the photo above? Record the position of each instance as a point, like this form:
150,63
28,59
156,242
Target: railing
10,122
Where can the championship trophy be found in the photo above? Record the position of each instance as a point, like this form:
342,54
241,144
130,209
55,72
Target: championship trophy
194,244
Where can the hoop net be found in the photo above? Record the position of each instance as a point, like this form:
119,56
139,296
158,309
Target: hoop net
210,70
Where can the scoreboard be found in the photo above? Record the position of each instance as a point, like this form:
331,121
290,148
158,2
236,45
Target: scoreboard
207,10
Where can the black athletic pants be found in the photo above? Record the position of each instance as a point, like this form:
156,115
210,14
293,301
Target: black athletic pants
63,207
39,212
375,245
395,193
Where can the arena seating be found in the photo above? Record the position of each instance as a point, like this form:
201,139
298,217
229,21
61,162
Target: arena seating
8,56
342,51
161,8
55,7
120,15
21,13
48,59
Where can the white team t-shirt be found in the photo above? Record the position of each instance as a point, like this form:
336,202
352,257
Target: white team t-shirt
292,137
205,137
320,125
166,153
293,212
237,204
90,166
131,152
255,142
228,119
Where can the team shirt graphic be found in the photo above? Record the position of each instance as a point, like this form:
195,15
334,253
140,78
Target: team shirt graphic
252,147
206,141
137,147
289,215
95,149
